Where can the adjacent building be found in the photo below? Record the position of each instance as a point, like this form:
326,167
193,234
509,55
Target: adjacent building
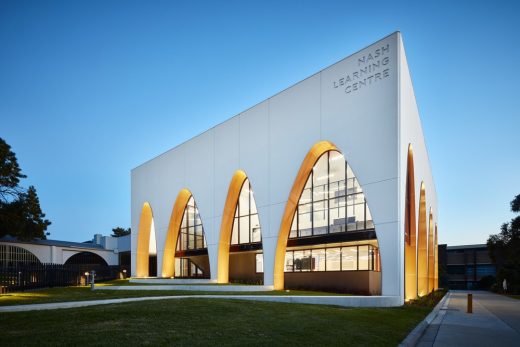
326,185
466,265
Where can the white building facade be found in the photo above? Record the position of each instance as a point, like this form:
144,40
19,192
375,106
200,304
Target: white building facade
360,111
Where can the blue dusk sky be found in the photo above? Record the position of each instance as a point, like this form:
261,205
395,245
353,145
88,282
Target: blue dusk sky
91,89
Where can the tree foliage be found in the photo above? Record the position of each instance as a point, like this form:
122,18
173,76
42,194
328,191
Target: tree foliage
23,217
20,212
118,232
10,173
504,250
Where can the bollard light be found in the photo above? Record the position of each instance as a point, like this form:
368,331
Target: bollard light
470,303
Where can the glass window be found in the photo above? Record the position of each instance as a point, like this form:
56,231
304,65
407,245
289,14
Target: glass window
243,201
337,174
289,261
246,227
320,222
318,260
244,230
234,233
369,221
332,200
333,259
255,229
191,235
252,202
306,196
302,260
297,260
306,262
294,227
259,262
191,238
305,224
349,258
363,257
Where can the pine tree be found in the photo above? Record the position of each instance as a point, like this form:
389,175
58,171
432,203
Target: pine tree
10,173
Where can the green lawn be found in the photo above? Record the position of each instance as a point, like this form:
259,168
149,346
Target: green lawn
192,322
84,293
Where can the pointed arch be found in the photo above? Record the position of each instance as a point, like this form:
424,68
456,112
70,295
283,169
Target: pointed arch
226,226
292,203
313,187
431,254
143,241
239,215
172,233
422,245
410,231
436,269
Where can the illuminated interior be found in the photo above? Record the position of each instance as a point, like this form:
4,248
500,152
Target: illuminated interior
410,232
191,255
172,234
246,258
436,268
327,239
235,187
146,262
431,254
422,244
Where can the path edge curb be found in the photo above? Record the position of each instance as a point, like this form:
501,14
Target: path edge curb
414,336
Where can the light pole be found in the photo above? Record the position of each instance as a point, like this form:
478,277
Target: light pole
92,274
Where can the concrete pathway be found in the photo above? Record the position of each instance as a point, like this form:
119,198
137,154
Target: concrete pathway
346,301
495,321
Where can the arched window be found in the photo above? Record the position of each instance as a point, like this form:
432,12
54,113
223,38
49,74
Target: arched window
246,225
14,256
331,234
191,256
332,200
146,259
86,258
191,236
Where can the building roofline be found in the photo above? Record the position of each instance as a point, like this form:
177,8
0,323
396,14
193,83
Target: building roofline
264,100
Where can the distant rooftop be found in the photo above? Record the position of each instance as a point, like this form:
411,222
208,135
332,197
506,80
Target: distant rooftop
482,245
87,244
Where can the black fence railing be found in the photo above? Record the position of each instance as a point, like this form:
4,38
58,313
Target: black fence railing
35,276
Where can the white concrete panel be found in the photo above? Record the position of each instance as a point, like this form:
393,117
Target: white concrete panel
294,127
391,264
411,133
226,148
264,217
199,172
254,150
213,248
269,250
363,122
381,200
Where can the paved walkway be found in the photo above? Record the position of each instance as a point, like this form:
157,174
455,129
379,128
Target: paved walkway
495,321
346,301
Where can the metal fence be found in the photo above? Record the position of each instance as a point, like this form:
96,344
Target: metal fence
35,276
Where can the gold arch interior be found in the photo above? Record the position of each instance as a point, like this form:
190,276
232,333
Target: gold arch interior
410,244
172,235
290,208
431,254
143,241
422,246
226,227
436,269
